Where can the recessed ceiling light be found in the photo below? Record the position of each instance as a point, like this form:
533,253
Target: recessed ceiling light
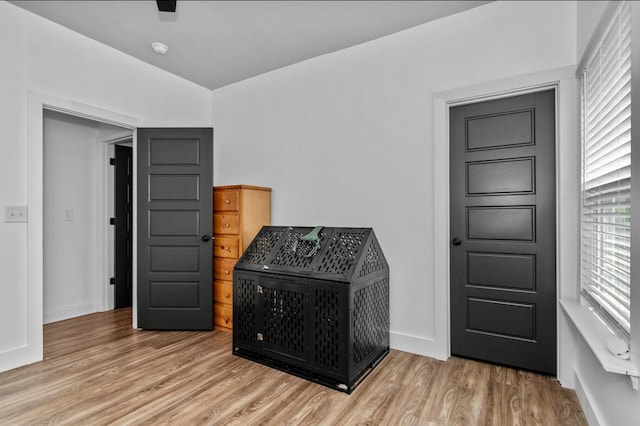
160,48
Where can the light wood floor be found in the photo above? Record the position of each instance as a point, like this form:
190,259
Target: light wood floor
97,370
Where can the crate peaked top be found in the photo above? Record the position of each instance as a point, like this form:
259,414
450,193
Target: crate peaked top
345,254
313,302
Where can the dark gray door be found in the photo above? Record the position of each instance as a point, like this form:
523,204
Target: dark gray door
124,226
503,288
175,175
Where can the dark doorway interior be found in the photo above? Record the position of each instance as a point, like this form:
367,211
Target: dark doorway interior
123,226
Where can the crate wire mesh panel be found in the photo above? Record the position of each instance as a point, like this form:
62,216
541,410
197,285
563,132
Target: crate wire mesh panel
320,314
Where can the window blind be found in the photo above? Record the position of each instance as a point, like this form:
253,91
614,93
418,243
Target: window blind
606,171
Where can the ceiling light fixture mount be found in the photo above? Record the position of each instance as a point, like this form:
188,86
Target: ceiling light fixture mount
160,48
166,6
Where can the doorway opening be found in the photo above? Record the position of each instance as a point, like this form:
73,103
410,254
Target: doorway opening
78,195
122,280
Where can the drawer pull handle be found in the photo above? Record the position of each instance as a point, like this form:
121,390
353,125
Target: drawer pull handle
226,295
223,248
226,320
227,201
225,225
226,271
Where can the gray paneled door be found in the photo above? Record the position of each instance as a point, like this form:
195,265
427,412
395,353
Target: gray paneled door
175,175
503,271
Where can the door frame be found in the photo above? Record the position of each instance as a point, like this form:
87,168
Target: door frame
37,102
567,170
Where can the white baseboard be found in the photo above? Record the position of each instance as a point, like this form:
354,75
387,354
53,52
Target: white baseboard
17,357
70,311
415,345
585,402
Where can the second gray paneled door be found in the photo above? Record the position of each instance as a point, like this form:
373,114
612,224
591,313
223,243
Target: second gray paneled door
175,175
503,232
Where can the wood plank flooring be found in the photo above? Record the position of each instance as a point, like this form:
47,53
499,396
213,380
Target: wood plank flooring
98,370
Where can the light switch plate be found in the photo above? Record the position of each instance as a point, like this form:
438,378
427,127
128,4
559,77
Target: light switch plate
15,214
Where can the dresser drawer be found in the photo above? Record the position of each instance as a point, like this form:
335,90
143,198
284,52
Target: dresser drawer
225,200
226,247
223,268
223,292
222,315
226,223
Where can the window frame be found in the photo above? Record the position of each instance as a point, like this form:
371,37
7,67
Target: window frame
605,307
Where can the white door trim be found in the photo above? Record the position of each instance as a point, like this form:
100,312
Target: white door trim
37,102
567,213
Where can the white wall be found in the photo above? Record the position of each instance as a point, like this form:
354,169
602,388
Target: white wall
41,56
346,139
589,14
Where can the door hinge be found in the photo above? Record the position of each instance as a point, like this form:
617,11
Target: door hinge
112,161
260,337
112,221
260,289
112,281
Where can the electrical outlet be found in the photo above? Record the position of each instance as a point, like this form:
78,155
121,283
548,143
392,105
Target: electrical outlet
15,214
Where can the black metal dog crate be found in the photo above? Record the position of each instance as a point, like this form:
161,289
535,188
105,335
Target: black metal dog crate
322,315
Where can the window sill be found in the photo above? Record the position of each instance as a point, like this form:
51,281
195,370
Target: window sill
595,333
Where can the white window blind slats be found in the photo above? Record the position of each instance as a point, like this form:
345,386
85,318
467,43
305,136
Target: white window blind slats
608,242
616,192
607,179
606,166
619,270
606,118
606,170
609,119
615,277
612,294
621,311
608,215
612,237
611,249
611,125
618,312
609,131
615,90
615,80
606,205
616,228
612,80
612,70
616,281
604,149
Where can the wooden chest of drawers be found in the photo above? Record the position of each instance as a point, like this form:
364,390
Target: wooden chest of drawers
239,212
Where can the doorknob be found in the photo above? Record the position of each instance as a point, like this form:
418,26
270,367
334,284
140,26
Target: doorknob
205,238
456,241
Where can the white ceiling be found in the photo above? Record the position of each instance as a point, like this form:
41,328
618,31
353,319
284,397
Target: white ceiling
216,43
